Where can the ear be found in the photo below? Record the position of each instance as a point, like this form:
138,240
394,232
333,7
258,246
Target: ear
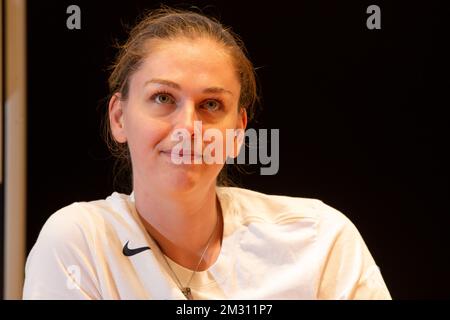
116,118
242,119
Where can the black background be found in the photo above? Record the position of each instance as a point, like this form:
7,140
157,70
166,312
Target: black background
361,113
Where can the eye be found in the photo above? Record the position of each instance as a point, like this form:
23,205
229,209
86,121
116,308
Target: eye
212,105
163,98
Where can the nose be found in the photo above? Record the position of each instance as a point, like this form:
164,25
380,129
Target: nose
185,117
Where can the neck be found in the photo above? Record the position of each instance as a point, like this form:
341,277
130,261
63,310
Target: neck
182,225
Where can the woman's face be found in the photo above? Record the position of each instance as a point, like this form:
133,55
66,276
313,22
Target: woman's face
180,81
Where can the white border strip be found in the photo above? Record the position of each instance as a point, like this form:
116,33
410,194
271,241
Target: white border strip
15,148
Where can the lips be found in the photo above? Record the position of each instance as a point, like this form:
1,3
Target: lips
182,153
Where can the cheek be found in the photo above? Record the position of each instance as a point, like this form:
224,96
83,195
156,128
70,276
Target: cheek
144,134
221,144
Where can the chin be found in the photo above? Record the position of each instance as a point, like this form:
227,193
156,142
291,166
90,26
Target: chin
181,182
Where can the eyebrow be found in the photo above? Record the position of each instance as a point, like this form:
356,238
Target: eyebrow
178,87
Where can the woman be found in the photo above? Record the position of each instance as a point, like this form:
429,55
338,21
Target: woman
179,235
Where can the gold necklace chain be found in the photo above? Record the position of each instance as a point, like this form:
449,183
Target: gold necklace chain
186,290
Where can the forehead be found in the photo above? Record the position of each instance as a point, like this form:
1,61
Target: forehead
198,61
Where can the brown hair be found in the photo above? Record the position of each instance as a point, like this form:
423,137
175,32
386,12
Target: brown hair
165,24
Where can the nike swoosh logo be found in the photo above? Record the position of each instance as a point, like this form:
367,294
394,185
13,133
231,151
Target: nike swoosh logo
131,252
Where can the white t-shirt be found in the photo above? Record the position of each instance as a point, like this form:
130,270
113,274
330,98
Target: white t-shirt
274,247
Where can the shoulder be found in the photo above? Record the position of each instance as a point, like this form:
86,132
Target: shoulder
339,257
70,246
80,222
312,218
248,206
